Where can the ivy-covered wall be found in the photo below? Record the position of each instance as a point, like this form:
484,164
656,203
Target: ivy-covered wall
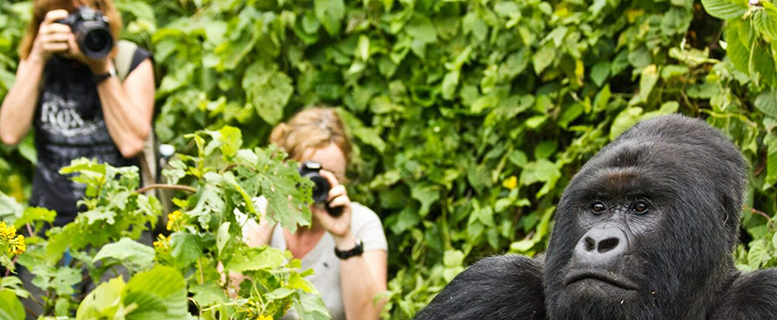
470,116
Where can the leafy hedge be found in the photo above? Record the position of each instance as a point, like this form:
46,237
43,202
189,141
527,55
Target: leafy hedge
470,116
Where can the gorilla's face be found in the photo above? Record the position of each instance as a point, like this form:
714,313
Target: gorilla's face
638,233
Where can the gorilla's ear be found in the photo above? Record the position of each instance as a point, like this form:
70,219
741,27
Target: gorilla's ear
497,288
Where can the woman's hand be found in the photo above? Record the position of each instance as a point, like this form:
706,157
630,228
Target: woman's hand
338,227
52,37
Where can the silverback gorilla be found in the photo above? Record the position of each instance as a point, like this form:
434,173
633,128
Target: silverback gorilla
645,230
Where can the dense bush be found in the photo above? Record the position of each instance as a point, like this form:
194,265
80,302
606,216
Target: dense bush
470,116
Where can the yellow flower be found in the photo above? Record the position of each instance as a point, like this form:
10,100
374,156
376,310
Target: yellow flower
173,219
264,318
7,232
17,245
162,242
510,183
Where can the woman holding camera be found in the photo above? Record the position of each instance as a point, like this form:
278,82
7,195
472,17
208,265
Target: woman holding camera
73,100
345,243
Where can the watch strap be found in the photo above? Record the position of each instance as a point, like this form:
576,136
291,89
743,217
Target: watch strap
356,251
99,78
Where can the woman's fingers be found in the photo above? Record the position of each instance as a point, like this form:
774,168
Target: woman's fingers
337,191
57,37
329,176
54,15
56,47
339,202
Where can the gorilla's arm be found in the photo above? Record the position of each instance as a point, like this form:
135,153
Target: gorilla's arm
752,296
503,287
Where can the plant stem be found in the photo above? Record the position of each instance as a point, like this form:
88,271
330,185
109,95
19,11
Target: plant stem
167,187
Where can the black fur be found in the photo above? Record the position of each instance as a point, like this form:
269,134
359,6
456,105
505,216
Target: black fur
609,259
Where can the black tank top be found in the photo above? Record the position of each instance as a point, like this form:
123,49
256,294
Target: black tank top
69,124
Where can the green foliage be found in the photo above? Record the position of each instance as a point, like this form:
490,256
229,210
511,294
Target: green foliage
199,258
470,117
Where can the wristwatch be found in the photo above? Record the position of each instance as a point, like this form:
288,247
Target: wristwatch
99,78
356,251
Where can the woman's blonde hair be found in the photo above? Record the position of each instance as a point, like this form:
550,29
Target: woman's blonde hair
313,128
41,7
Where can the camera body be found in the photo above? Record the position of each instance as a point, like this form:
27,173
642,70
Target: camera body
321,186
92,31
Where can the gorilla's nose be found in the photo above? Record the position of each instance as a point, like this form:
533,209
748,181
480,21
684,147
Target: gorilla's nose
600,247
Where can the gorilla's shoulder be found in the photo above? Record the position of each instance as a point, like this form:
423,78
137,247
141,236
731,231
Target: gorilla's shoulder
500,287
751,296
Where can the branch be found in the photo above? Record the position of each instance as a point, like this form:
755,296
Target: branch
167,187
763,214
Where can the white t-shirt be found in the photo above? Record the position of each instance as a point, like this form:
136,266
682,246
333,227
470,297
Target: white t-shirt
365,225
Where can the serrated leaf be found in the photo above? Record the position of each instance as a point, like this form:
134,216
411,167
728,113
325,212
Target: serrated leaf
185,248
725,9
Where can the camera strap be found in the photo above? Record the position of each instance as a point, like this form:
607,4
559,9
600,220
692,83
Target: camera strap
123,60
148,158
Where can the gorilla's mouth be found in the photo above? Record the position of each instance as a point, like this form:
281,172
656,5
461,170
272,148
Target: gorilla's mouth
600,275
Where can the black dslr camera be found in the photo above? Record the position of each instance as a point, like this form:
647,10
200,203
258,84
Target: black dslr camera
93,34
321,186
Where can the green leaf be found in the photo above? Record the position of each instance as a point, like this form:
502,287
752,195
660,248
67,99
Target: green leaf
185,248
427,195
625,120
232,140
311,307
330,13
771,160
540,171
737,51
10,306
518,158
33,214
766,102
544,57
421,28
666,109
646,83
600,72
268,90
159,293
757,255
676,21
449,84
132,254
103,302
514,65
725,9
258,258
545,149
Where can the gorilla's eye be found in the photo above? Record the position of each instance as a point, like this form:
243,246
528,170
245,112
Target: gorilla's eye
598,207
641,207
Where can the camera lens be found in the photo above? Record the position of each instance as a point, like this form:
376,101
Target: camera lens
97,43
96,40
320,188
